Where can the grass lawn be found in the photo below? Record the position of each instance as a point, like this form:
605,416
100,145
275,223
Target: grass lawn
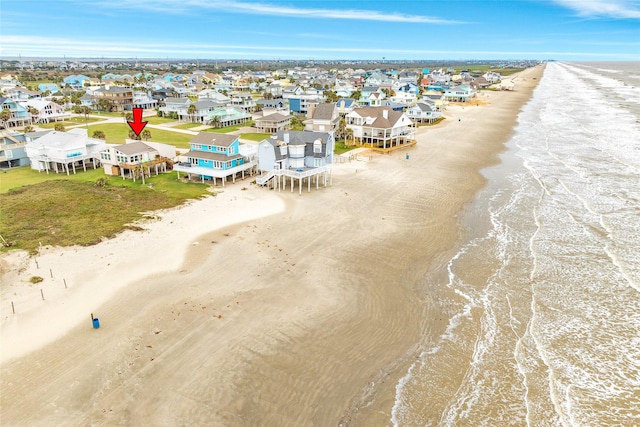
342,148
65,123
186,126
226,129
155,120
255,136
67,212
116,133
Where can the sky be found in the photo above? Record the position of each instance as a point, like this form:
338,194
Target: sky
567,30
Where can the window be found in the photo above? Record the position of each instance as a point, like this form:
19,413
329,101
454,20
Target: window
231,150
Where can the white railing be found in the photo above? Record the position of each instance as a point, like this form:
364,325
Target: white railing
292,173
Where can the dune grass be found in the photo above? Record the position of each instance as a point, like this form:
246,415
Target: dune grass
66,212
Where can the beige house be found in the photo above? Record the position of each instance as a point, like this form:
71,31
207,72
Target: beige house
324,118
272,123
124,159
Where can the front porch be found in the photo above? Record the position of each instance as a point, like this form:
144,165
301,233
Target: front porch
207,174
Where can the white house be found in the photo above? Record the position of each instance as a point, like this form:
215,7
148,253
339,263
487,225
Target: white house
123,159
425,111
380,127
62,151
48,111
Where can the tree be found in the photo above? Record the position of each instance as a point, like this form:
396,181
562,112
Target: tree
215,122
28,129
342,127
331,95
191,110
296,123
356,94
59,127
348,133
132,135
146,134
99,135
5,115
102,104
267,95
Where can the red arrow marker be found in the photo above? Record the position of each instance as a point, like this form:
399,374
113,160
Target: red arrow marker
137,124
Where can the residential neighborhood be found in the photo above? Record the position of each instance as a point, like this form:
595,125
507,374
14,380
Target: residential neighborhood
221,124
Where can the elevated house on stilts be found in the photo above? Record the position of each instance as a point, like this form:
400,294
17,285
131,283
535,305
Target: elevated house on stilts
296,157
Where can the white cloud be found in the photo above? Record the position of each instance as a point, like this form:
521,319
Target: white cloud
603,8
33,46
267,9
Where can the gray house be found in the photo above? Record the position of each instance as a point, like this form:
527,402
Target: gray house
297,155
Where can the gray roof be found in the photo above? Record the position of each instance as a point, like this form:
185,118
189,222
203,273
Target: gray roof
304,138
212,138
275,117
324,111
134,148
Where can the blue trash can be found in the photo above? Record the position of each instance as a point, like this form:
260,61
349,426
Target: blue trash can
96,323
407,157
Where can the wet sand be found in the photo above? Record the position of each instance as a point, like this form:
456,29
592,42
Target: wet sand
306,312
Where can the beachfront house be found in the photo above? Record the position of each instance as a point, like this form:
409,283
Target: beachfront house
217,155
425,111
64,151
461,93
381,128
296,155
132,159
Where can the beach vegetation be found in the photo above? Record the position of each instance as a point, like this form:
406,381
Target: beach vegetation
65,212
35,279
342,147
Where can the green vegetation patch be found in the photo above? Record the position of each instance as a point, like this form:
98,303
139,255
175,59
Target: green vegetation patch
187,126
341,147
65,212
155,120
116,133
66,123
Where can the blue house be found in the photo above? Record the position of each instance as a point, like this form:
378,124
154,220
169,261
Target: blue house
75,81
51,87
215,155
20,116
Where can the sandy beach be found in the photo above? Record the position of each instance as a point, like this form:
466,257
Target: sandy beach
253,307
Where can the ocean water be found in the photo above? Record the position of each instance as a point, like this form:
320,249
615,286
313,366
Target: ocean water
544,295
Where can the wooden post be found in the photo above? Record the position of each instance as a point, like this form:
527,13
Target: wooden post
65,283
13,308
37,266
42,294
51,273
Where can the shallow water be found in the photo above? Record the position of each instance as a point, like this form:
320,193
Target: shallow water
545,293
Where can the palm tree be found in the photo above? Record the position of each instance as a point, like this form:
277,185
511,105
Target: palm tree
99,135
191,111
348,133
146,134
132,135
59,127
342,126
215,122
28,129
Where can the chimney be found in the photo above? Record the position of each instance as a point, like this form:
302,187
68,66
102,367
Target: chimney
385,113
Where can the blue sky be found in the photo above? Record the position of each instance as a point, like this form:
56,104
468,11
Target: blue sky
569,30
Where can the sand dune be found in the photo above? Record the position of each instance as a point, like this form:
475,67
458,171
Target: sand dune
290,309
